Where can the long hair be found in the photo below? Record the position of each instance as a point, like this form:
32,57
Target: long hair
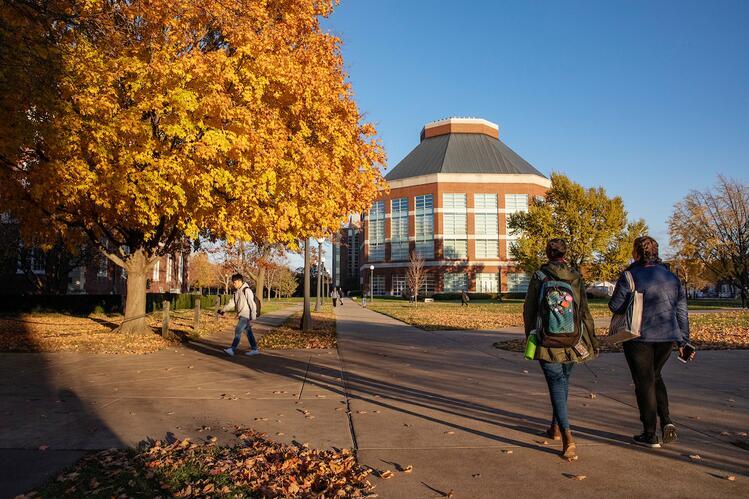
647,250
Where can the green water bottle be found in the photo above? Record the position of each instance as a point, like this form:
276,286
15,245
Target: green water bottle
530,346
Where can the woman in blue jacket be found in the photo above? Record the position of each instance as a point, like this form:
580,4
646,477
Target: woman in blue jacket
664,323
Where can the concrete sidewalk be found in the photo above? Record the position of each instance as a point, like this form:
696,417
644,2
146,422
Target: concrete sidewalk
467,417
68,403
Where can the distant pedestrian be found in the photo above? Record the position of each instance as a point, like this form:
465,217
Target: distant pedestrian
664,323
557,317
340,296
244,305
464,299
334,296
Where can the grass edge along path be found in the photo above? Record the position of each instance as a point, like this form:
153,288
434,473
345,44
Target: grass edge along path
289,335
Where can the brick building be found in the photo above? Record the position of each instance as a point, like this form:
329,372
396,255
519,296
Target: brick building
94,275
449,200
347,251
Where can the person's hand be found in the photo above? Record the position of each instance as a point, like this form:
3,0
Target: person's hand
691,357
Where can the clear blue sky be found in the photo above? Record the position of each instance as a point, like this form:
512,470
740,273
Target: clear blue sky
647,99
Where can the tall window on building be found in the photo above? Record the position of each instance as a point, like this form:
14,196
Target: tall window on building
514,203
377,232
156,271
427,286
378,285
399,229
517,282
399,285
456,281
181,268
168,269
353,251
486,225
455,218
487,282
424,225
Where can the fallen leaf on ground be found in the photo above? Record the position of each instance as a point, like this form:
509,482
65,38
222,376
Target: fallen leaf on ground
43,447
695,457
386,474
505,451
731,478
408,469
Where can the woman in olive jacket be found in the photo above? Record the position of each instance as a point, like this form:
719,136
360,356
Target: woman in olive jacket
557,363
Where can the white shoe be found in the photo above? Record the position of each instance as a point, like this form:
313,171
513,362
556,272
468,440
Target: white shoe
252,352
229,352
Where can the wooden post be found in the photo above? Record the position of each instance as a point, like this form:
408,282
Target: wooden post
165,332
196,319
218,306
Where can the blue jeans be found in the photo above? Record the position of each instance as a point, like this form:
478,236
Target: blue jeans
558,379
243,324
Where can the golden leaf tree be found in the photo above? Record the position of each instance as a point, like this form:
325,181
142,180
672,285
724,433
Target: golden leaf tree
137,124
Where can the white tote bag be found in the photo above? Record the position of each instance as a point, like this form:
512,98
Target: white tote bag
626,326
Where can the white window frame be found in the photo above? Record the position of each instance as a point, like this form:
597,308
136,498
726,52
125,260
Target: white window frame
455,282
156,271
399,229
398,285
424,225
486,225
168,277
517,282
487,282
377,231
455,226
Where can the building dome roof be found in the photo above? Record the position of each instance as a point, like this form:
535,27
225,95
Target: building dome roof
461,145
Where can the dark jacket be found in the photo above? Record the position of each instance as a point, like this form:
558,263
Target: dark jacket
664,314
561,271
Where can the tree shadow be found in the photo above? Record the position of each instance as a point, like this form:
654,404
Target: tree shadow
429,399
44,427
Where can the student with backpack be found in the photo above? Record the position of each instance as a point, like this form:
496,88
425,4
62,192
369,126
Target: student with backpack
246,307
560,325
665,323
334,297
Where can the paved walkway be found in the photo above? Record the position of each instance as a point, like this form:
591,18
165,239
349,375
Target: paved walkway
467,416
463,414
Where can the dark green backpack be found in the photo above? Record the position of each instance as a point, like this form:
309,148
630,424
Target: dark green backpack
558,323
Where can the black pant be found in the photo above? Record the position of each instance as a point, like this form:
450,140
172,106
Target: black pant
645,362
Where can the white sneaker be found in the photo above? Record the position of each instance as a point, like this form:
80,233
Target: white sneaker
229,352
252,352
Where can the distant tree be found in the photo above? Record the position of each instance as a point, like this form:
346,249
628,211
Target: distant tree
286,282
202,271
595,226
415,276
712,226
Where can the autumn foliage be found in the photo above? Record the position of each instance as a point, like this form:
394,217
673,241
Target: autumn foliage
138,124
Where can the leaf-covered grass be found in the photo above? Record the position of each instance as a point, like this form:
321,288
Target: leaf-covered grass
56,332
255,467
711,331
289,335
450,315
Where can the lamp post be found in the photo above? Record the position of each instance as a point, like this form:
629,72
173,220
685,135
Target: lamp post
319,273
371,283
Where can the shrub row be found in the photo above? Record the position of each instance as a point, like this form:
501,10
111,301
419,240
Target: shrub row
73,304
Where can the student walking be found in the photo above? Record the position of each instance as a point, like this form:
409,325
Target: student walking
665,323
244,305
464,298
340,296
558,321
334,296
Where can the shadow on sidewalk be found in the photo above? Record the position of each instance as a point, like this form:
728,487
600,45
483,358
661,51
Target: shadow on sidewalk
43,427
408,400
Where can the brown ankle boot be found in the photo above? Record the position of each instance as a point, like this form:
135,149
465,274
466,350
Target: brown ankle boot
568,446
553,432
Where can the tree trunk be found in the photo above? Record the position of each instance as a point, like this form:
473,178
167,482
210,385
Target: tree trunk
260,283
306,315
137,267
